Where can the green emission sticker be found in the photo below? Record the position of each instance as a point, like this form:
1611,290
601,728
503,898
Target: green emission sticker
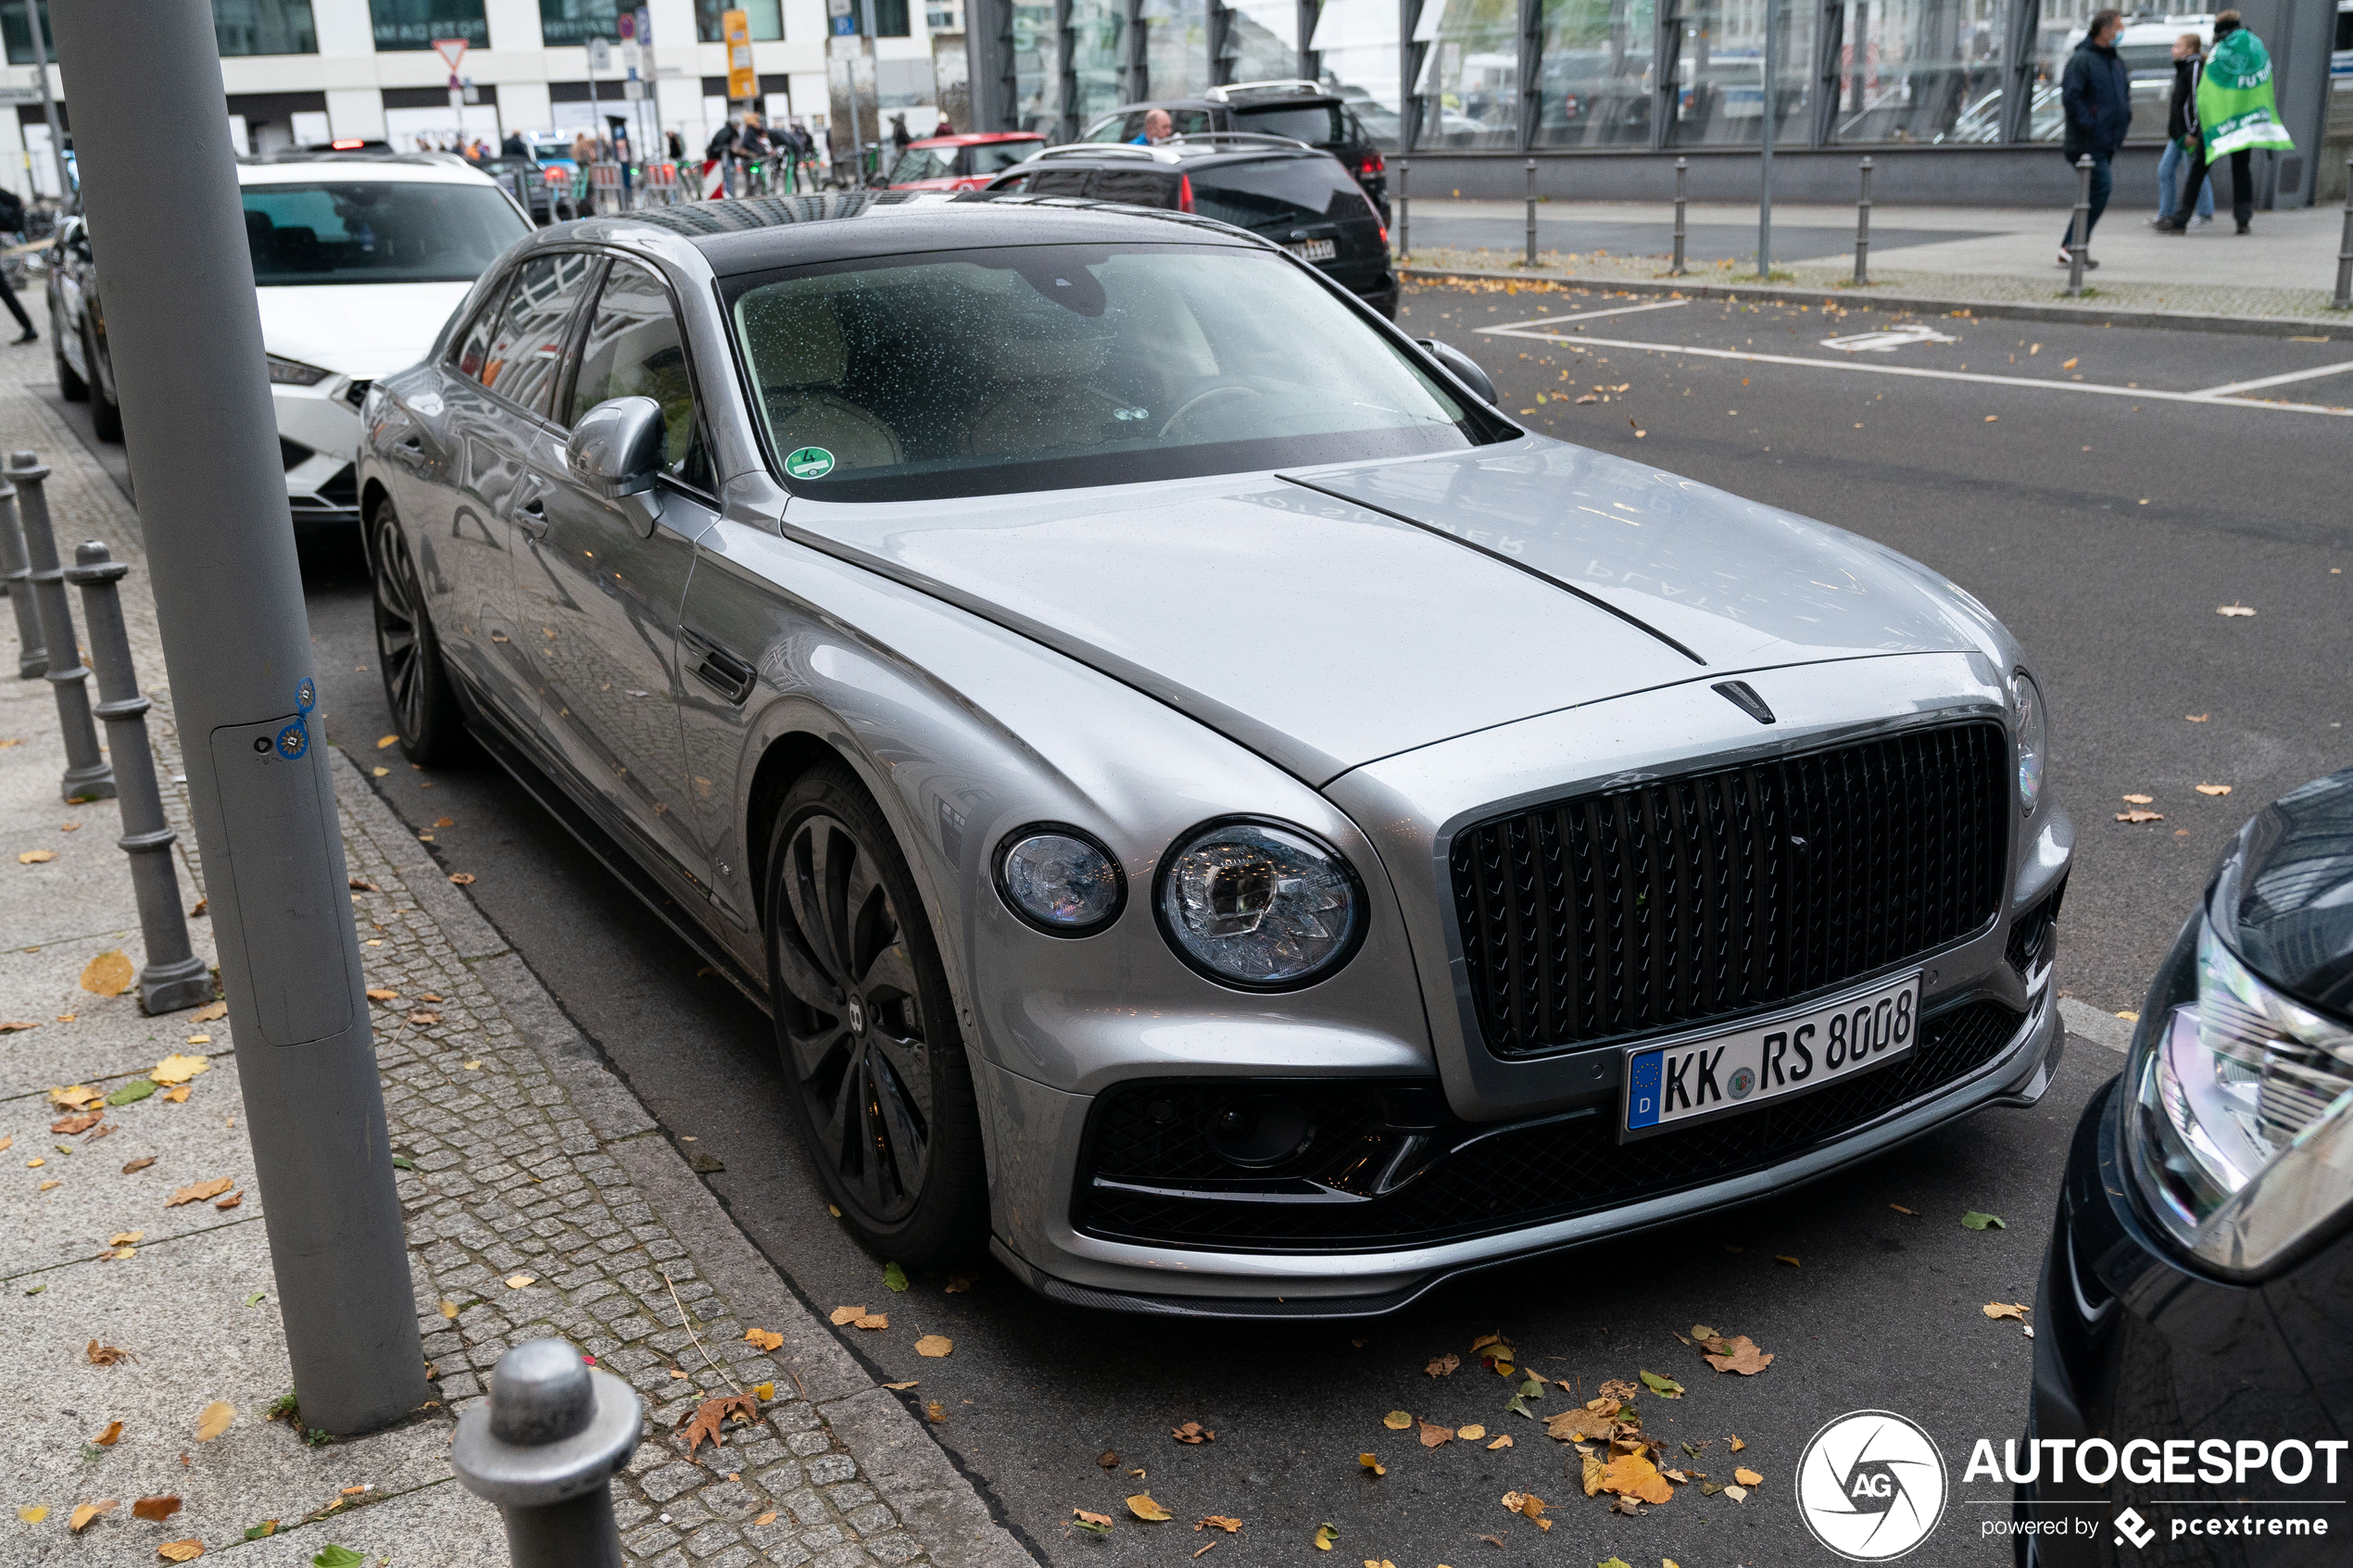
809,462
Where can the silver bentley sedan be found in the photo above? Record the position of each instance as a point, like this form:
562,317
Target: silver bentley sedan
1219,815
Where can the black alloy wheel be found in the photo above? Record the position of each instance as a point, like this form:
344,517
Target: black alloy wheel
424,709
866,1028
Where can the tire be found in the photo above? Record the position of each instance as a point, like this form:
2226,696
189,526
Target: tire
106,414
71,387
877,1074
425,706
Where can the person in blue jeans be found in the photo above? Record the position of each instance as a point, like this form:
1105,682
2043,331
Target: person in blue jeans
2096,93
2186,50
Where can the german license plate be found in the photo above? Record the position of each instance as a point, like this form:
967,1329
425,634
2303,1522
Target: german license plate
1725,1075
1314,250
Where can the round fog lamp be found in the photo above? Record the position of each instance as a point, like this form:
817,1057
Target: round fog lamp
1259,1130
1060,881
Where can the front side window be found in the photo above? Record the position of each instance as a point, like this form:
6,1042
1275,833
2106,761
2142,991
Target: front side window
377,232
634,349
1048,366
527,351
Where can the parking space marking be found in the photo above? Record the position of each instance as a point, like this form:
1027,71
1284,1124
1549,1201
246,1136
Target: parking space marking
2215,398
1591,315
2214,392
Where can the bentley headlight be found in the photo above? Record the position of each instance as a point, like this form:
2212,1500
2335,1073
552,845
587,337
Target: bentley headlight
1059,880
294,372
2241,1129
2027,699
1259,905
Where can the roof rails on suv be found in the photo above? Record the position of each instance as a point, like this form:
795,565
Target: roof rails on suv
1233,90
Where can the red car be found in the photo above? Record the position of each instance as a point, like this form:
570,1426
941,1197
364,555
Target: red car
961,163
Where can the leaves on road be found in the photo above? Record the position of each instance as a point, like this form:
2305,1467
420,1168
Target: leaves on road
139,1164
196,1192
957,1283
1443,1366
1665,1387
857,1317
462,879
1326,1534
2015,1311
1786,1258
705,1422
111,1437
1503,1442
133,1092
68,1125
1220,1522
33,1512
1738,1354
763,1338
109,974
2213,789
1142,1507
1095,1523
36,857
1633,1476
179,1068
1373,1463
86,1514
1397,1421
1192,1432
1471,1434
337,1557
1736,1444
1975,1221
107,1355
181,1552
1435,1436
1528,1505
76,1096
932,1345
155,1510
1748,1477
894,1277
214,1420
2138,815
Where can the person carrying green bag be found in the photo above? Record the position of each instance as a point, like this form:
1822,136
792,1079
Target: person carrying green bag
2232,112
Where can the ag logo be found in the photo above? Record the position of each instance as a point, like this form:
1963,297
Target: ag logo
1870,1485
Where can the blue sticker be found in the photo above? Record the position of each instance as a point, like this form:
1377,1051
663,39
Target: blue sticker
293,741
306,696
1641,1095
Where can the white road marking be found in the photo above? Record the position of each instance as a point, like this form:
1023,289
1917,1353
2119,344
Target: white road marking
2210,399
2272,381
1590,315
1889,339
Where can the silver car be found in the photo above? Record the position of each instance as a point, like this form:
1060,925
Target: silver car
1219,816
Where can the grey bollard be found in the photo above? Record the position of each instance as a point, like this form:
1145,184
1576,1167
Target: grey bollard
32,662
1863,228
545,1447
2079,237
87,776
2344,300
174,977
1531,260
1683,170
1404,213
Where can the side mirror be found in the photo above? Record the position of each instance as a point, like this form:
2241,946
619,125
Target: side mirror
1464,369
615,449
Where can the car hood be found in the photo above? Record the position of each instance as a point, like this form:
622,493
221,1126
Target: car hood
2284,895
1325,632
363,331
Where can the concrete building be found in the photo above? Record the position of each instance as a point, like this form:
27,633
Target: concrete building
301,72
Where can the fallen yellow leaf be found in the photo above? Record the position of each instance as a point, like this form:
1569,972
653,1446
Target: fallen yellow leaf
933,1344
1748,1477
1503,1442
763,1392
2015,1310
1397,1421
109,974
1142,1507
84,1513
178,1068
1325,1536
196,1192
111,1437
33,1512
215,1420
36,857
763,1338
211,1013
388,740
1471,1434
767,1518
181,1552
126,1238
2214,789
1737,1444
1373,1463
516,1282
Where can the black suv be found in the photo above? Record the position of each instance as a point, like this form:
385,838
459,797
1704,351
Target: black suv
1302,199
1304,112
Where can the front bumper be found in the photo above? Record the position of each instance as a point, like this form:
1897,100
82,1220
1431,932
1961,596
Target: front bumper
1038,1240
2132,1344
319,437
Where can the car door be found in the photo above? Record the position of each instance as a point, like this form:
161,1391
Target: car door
599,583
507,445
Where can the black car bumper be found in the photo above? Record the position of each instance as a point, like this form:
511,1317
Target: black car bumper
2136,1348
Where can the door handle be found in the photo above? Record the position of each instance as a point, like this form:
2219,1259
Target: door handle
533,515
718,669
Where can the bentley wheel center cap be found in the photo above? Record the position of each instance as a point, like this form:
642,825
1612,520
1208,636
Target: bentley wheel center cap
857,1016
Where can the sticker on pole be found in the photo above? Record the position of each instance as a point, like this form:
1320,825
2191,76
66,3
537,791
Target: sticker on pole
293,741
809,462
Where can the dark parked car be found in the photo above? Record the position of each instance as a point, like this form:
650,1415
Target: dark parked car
1304,111
78,329
1302,199
2196,1303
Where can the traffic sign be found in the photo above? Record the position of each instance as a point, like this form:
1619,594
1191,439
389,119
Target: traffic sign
600,55
743,82
451,51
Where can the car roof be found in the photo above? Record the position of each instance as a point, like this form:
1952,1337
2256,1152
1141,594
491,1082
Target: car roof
757,233
1177,152
1239,99
394,170
975,138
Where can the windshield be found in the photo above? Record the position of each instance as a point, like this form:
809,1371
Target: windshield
1050,367
1319,122
355,231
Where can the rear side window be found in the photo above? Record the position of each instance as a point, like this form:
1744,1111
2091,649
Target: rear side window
1316,124
1291,190
528,348
1137,187
1057,183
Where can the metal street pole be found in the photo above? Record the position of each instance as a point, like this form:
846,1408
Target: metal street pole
203,443
48,100
1765,163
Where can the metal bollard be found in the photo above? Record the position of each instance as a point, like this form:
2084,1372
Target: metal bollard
1404,213
2344,300
174,977
32,662
545,1447
1863,228
2080,238
1683,168
87,776
1531,214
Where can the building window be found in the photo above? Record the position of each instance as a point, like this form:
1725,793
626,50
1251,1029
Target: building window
767,17
890,19
571,23
264,27
19,38
414,24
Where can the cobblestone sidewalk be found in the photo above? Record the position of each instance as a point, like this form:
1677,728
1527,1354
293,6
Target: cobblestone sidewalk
539,1200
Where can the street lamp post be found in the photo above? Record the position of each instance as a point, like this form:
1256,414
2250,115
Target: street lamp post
182,321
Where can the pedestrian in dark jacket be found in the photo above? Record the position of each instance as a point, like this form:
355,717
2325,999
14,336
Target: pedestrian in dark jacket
2201,151
2097,96
2180,113
12,223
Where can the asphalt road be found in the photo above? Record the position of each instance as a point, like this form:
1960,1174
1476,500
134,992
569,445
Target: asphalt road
2039,512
